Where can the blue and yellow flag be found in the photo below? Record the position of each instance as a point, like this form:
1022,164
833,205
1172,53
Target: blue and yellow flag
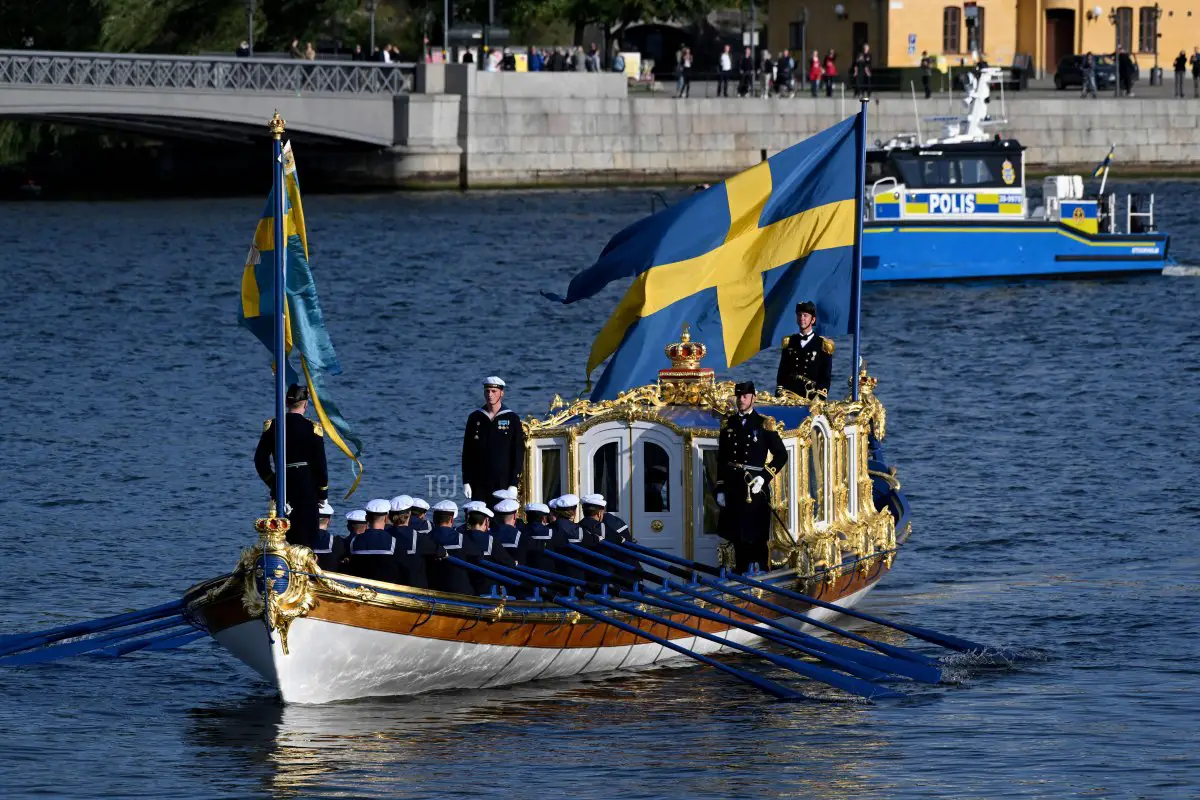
733,261
1106,163
304,324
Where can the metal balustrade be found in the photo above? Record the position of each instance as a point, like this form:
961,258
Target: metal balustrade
202,73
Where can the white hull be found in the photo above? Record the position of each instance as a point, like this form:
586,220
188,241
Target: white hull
329,661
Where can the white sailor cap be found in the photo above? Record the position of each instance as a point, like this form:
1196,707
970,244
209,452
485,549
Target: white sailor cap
325,510
446,505
505,494
401,502
478,507
507,506
492,380
592,500
379,507
421,504
357,515
566,501
541,508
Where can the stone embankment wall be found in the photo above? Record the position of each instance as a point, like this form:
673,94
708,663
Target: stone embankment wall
476,129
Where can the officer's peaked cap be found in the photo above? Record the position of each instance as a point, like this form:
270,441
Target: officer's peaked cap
296,393
745,387
807,307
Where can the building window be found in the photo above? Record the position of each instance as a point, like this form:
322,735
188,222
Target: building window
951,29
974,15
1125,28
1147,30
796,41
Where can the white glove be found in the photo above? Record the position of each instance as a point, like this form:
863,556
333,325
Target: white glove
512,489
721,499
756,485
467,490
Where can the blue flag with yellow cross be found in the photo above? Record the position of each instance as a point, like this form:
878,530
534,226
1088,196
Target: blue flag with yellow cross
304,324
732,261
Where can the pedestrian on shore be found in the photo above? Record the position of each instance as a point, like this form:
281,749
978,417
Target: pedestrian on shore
745,73
862,73
1195,61
618,63
243,50
594,58
767,67
310,52
358,54
579,59
685,72
1181,61
829,71
926,73
537,61
785,74
724,71
468,57
1089,76
294,51
815,72
1124,72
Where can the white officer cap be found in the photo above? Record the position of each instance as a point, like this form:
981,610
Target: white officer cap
421,504
447,506
541,508
505,494
325,510
492,380
507,506
379,507
593,499
358,515
401,502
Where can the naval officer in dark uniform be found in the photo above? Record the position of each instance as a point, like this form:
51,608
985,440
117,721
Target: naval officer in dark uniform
307,474
749,454
493,451
807,359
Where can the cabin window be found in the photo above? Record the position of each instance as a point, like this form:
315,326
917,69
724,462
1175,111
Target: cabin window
948,170
818,477
551,472
657,478
604,475
951,29
712,512
1125,28
1148,29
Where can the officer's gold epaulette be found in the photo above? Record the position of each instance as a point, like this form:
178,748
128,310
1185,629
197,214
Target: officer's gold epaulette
786,339
768,423
827,346
267,425
318,430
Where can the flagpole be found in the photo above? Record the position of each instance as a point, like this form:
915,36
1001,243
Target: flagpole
1108,163
860,163
280,342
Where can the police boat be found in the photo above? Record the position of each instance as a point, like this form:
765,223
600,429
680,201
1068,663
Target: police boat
839,519
958,206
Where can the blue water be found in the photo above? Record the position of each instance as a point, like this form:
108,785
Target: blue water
1045,433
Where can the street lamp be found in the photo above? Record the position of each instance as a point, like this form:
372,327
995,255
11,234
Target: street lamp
372,6
250,25
1156,75
1114,18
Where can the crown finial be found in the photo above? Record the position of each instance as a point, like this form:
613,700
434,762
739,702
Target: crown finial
276,125
686,336
681,383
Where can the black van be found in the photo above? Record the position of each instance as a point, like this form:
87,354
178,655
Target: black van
1070,72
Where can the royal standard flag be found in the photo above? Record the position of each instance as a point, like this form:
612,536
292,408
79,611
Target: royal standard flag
304,324
1106,163
732,260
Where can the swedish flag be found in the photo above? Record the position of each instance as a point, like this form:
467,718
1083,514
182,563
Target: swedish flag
733,261
304,324
1106,163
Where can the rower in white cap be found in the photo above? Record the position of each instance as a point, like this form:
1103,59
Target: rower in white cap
400,510
327,547
505,530
418,518
356,522
493,451
372,551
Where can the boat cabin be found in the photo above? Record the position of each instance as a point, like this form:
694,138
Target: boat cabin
652,453
955,181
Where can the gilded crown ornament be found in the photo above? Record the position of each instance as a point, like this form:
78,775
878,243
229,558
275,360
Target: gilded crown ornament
272,529
685,381
277,125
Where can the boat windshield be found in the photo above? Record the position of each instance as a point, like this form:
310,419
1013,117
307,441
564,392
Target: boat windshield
941,170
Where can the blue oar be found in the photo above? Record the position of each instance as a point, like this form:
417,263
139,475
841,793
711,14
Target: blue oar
165,641
770,687
14,643
886,649
942,639
86,645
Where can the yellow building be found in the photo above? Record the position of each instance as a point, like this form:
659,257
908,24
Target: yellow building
899,30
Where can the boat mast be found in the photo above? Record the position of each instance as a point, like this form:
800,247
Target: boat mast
860,163
279,250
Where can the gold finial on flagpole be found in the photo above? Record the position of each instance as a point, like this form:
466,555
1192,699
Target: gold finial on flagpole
276,125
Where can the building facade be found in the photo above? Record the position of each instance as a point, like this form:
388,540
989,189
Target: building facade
898,31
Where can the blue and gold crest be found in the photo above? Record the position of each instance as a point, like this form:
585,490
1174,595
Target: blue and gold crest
273,568
1007,173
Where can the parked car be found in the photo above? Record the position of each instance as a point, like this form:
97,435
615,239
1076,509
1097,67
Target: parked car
1070,72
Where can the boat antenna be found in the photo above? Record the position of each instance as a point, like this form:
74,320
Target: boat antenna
276,126
916,116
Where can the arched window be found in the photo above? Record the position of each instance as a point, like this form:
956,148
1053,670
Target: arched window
604,475
818,475
656,481
951,29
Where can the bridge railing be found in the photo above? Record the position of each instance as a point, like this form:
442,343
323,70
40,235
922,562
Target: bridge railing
202,73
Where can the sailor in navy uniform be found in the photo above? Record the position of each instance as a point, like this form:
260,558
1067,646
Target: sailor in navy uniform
444,576
401,510
806,363
500,495
478,532
307,477
373,552
601,525
329,548
419,518
567,531
749,454
493,451
414,549
537,537
506,532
